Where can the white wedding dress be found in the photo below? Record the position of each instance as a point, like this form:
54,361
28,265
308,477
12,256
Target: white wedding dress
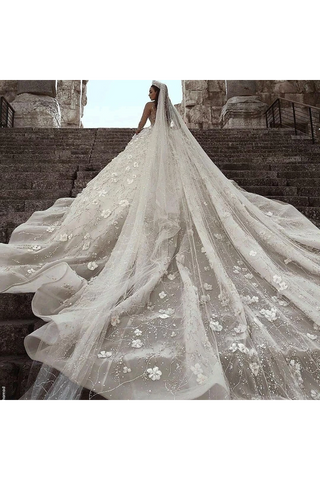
163,279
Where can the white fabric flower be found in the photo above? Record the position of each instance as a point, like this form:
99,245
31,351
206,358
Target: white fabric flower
197,370
269,214
249,276
240,328
162,294
207,269
126,370
31,270
154,373
50,229
104,354
138,332
169,311
206,286
95,202
218,236
102,193
127,169
136,164
277,279
115,320
173,334
136,343
249,300
233,347
124,203
201,379
129,181
92,265
204,299
282,286
171,276
63,237
86,246
105,213
252,253
254,367
270,315
312,337
287,260
215,326
203,250
243,348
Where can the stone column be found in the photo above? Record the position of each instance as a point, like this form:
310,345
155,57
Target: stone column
70,91
35,104
243,109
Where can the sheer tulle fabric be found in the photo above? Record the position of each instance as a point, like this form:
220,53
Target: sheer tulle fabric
165,280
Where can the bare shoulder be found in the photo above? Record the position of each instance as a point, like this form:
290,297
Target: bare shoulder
149,105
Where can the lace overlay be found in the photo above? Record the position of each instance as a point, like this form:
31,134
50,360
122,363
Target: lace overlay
153,115
162,279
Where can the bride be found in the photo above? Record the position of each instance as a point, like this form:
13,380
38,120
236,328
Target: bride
163,279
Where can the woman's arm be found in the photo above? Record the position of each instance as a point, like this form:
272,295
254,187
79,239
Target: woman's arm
144,118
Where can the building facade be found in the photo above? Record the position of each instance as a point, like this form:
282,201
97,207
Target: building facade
206,104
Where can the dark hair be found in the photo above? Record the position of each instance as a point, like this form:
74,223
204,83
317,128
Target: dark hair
157,90
167,110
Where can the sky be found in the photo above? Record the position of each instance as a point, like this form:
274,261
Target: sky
120,103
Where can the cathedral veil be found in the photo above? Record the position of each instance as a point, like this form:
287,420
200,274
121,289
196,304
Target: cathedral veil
194,287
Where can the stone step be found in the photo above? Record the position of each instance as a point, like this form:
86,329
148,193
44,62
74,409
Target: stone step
34,194
12,333
37,184
44,168
16,306
9,206
14,375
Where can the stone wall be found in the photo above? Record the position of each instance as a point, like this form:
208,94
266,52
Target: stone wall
203,100
71,97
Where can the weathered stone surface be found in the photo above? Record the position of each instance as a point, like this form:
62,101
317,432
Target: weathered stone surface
72,98
72,94
36,111
38,85
243,112
236,88
213,93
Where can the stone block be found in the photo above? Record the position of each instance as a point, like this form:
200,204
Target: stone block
285,86
196,84
199,114
237,86
38,85
193,97
217,86
243,112
36,111
216,99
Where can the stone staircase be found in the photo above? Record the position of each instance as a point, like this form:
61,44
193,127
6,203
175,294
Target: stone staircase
38,166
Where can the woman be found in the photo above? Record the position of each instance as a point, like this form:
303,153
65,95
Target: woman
150,109
165,280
